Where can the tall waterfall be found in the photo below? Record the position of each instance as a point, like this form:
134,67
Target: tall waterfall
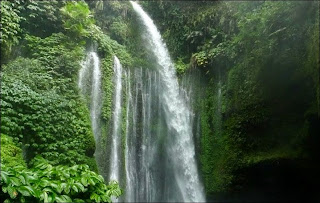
116,134
180,146
152,119
91,67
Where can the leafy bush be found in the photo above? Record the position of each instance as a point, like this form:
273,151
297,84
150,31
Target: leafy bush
77,18
10,27
57,53
47,183
119,30
11,155
39,14
180,66
36,114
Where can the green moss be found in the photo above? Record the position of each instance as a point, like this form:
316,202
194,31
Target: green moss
109,47
269,91
107,85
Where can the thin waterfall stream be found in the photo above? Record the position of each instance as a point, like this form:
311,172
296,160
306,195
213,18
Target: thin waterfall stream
91,67
115,158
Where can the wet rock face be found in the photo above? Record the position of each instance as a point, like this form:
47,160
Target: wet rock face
277,180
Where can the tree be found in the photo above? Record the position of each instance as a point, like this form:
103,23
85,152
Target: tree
77,18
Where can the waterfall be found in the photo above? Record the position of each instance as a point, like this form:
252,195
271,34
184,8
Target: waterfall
159,163
144,160
116,134
128,158
180,146
218,110
91,66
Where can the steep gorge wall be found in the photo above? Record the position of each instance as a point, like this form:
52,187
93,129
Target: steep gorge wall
261,101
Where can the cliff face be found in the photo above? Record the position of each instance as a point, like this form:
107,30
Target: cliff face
259,113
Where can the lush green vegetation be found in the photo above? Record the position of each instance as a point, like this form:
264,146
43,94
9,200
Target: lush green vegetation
11,155
262,57
265,56
45,181
41,109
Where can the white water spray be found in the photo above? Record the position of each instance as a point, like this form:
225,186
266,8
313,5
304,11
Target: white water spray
115,158
92,61
180,147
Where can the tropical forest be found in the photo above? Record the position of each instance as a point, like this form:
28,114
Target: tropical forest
160,101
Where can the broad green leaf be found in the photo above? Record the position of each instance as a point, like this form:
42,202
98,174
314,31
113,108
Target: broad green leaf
4,176
45,197
84,181
22,179
60,199
4,189
44,183
55,186
12,192
80,186
74,187
15,181
63,198
67,189
61,187
24,191
91,181
100,178
29,189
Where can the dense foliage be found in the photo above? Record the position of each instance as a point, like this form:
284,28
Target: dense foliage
10,27
260,62
44,121
48,183
11,155
41,109
44,182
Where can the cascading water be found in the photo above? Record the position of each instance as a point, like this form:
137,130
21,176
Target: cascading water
91,66
159,155
180,146
218,110
127,158
116,134
191,87
144,160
